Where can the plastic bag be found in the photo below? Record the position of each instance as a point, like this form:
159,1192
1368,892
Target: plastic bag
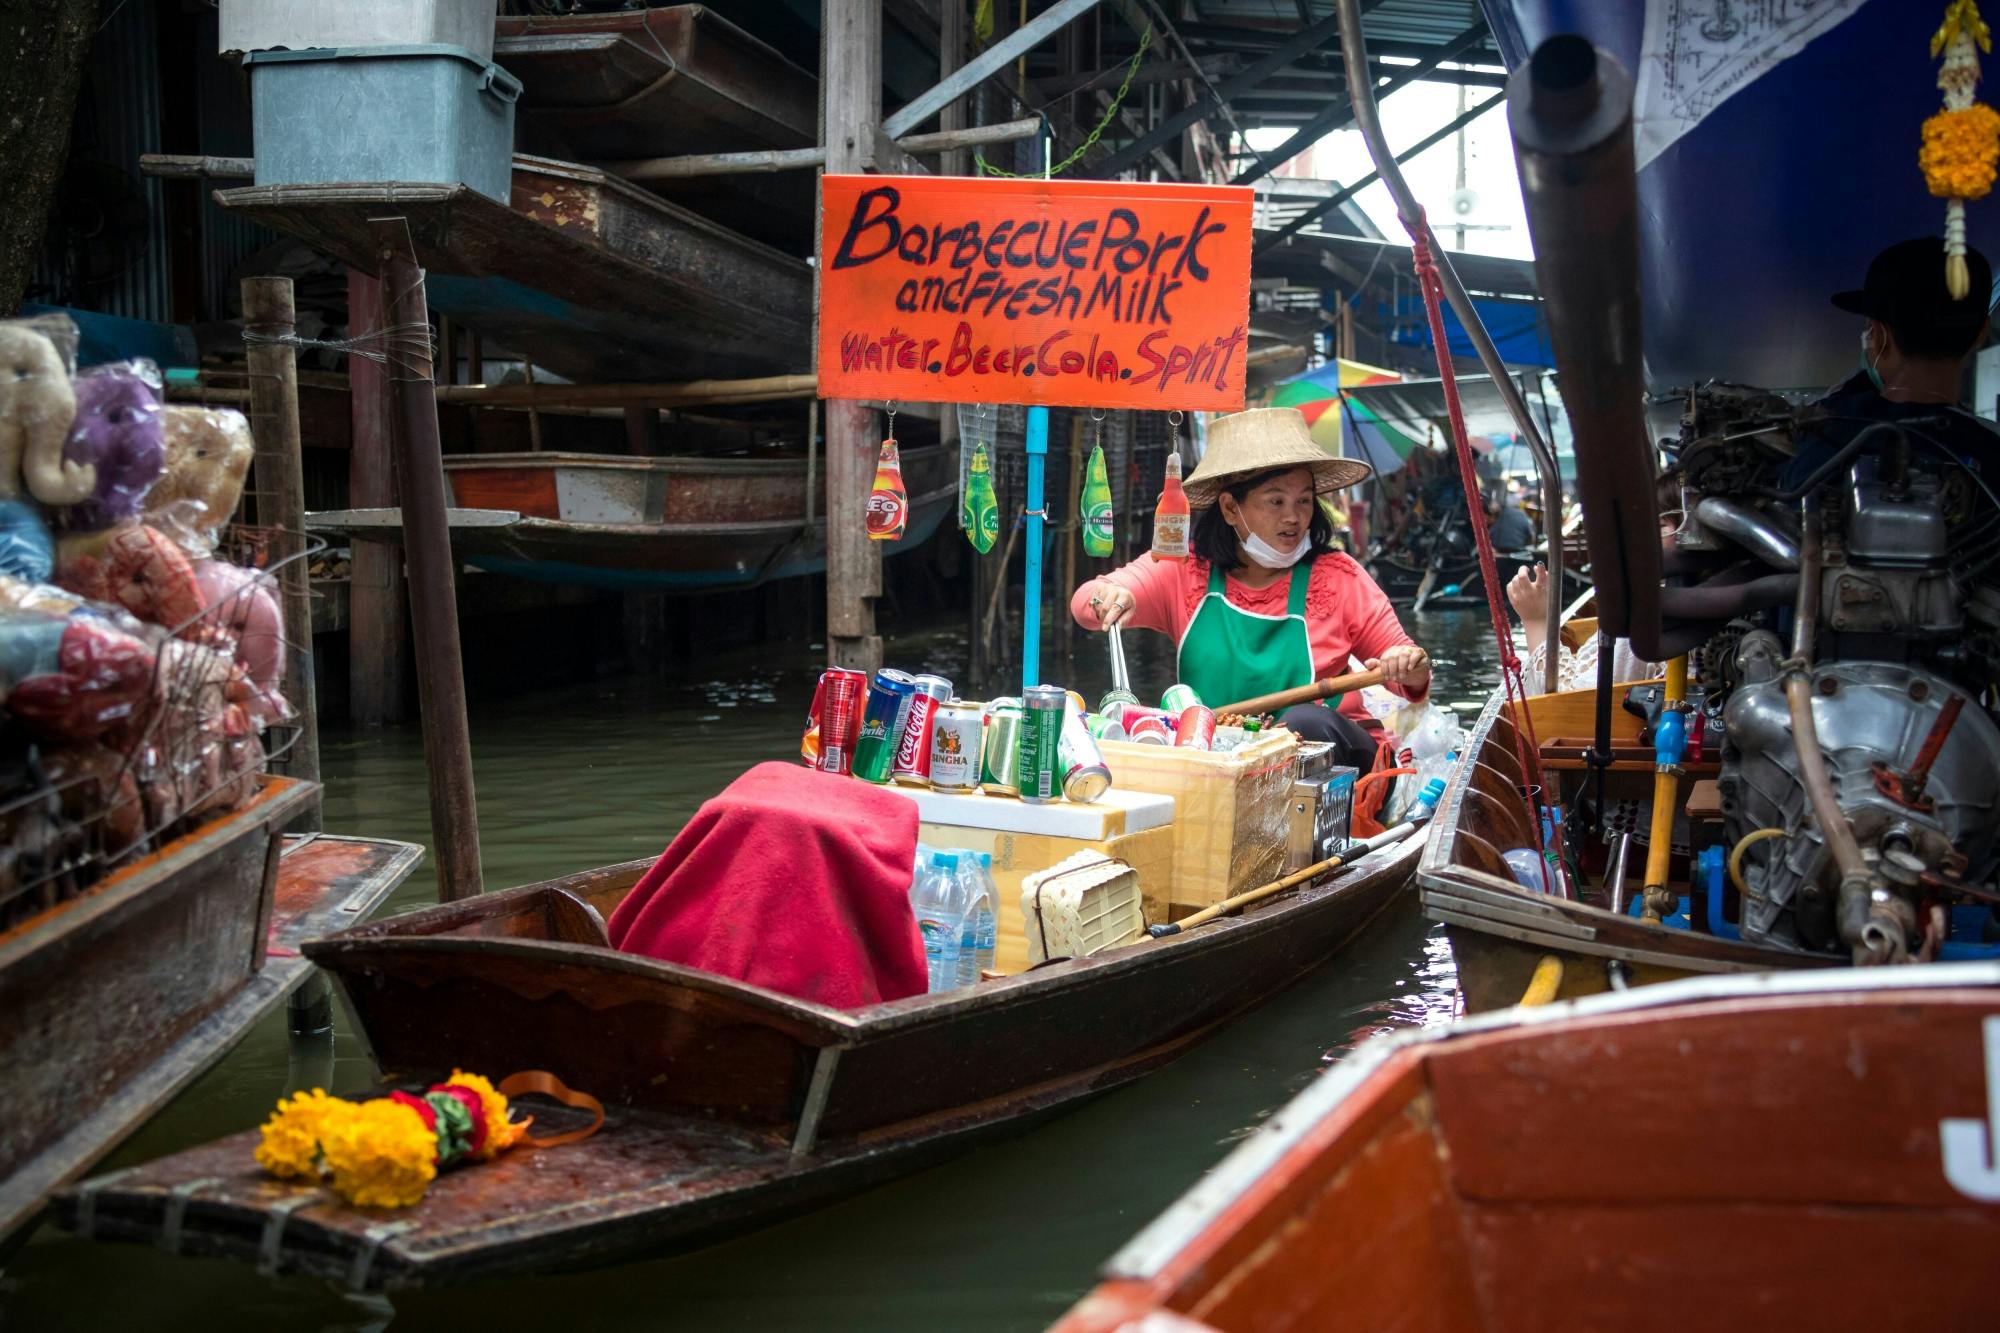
118,433
37,403
100,676
208,454
244,603
26,550
135,566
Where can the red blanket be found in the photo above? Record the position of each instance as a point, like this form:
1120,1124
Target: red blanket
791,879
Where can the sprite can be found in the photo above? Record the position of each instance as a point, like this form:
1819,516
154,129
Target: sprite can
1039,769
1178,699
882,724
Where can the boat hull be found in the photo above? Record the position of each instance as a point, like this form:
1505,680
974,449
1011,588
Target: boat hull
731,1106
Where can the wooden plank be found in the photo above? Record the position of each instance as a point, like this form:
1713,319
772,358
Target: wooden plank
984,66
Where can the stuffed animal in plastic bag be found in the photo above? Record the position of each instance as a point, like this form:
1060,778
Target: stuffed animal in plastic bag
118,434
208,453
241,601
74,678
36,406
137,567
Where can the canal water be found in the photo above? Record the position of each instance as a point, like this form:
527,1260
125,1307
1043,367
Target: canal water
1005,1238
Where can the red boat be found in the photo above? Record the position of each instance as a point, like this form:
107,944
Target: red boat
1787,1151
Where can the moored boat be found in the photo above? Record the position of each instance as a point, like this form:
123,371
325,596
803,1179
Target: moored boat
118,997
1612,1163
728,1105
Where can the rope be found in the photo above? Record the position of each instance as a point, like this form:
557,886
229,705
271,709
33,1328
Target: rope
1529,753
1090,140
373,345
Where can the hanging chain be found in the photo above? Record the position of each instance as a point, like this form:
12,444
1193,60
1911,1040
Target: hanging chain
1090,141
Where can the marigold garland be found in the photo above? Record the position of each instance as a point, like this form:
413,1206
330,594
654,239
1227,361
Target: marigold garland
1961,144
1961,150
385,1153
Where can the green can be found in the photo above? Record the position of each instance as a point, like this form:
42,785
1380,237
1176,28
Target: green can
1001,753
1178,699
1104,728
1039,768
1113,697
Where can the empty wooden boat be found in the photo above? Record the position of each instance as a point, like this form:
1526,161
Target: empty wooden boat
728,1105
689,523
1728,1154
589,276
115,999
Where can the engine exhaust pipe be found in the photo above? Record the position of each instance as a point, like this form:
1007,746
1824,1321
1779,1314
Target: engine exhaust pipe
1570,110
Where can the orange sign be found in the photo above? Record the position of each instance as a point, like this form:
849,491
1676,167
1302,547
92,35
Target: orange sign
1059,293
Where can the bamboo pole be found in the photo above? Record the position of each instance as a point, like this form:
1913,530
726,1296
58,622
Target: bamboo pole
643,169
1304,694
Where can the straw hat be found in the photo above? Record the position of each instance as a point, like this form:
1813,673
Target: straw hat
1260,440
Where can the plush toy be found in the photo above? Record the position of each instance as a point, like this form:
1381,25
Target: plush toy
20,595
242,602
208,457
97,678
36,406
26,550
137,567
116,432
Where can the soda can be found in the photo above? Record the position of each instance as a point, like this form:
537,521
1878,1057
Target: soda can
1179,698
1038,771
999,770
1150,729
833,722
958,737
882,725
1084,774
1197,729
1104,728
1115,698
913,748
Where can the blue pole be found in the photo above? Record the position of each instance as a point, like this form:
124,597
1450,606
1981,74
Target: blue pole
1031,613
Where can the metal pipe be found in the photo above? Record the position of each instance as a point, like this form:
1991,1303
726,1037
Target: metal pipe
1750,530
1361,83
1615,882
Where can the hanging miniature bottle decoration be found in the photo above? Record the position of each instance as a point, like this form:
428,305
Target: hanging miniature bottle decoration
1170,516
1097,524
981,505
1961,142
888,502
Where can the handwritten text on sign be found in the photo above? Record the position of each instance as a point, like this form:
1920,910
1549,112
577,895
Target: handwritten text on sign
1065,293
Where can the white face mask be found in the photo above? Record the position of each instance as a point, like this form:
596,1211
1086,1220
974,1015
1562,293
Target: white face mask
1269,556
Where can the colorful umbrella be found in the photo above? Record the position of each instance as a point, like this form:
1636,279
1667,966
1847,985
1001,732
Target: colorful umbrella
1317,395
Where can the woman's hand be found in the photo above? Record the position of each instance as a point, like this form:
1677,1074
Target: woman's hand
1528,593
1405,665
1111,603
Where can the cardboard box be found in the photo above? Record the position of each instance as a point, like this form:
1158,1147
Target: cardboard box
1232,811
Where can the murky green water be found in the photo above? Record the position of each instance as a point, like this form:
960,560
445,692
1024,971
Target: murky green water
1005,1238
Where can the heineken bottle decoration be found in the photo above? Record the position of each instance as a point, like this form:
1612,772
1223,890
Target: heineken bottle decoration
979,507
1097,524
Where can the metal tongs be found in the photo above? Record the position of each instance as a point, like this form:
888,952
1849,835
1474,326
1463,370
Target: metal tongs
1120,679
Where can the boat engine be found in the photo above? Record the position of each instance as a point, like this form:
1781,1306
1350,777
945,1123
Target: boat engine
1896,579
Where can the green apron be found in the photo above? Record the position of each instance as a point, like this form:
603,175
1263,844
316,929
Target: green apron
1228,654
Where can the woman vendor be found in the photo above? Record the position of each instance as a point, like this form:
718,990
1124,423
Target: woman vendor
1263,603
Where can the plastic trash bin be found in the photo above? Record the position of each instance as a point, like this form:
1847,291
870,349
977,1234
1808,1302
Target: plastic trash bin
428,113
263,25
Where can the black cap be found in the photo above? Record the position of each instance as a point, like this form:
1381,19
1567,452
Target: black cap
1905,288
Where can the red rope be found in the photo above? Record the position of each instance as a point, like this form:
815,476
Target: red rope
1489,567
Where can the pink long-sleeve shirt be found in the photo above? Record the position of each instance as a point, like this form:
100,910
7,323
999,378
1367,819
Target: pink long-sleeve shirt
1347,614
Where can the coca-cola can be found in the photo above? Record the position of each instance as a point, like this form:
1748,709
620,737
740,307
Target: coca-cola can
1148,729
957,739
913,750
1196,730
833,722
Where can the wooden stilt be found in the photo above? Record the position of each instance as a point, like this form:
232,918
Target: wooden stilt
377,603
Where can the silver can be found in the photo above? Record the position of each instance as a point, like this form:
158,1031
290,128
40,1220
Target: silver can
998,767
1085,776
957,743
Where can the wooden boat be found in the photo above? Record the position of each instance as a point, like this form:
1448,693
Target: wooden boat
594,278
117,998
1731,1154
729,1105
659,82
688,523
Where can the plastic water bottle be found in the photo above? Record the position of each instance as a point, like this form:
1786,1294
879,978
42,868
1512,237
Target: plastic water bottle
934,898
972,903
989,923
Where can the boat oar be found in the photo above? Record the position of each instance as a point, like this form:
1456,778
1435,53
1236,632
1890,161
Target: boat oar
1296,878
1304,694
1424,587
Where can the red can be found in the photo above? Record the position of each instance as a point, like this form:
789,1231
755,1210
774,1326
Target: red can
1150,729
834,721
912,764
1196,730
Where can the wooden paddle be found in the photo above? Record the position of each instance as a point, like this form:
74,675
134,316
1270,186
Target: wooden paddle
1304,694
1354,853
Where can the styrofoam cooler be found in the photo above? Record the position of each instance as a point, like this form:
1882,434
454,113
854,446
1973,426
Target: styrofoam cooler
269,25
433,114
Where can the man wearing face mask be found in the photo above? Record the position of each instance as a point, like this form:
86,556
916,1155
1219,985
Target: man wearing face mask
1913,355
1263,603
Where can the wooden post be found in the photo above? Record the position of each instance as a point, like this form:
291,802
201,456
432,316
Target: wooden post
850,79
281,492
377,604
427,539
641,423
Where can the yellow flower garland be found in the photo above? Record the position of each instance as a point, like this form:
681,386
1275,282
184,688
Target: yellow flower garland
380,1154
501,1133
290,1148
1961,150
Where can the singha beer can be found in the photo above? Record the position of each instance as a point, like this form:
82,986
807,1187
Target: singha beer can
834,720
999,769
1084,774
958,736
1197,729
1178,699
882,725
913,748
1039,769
